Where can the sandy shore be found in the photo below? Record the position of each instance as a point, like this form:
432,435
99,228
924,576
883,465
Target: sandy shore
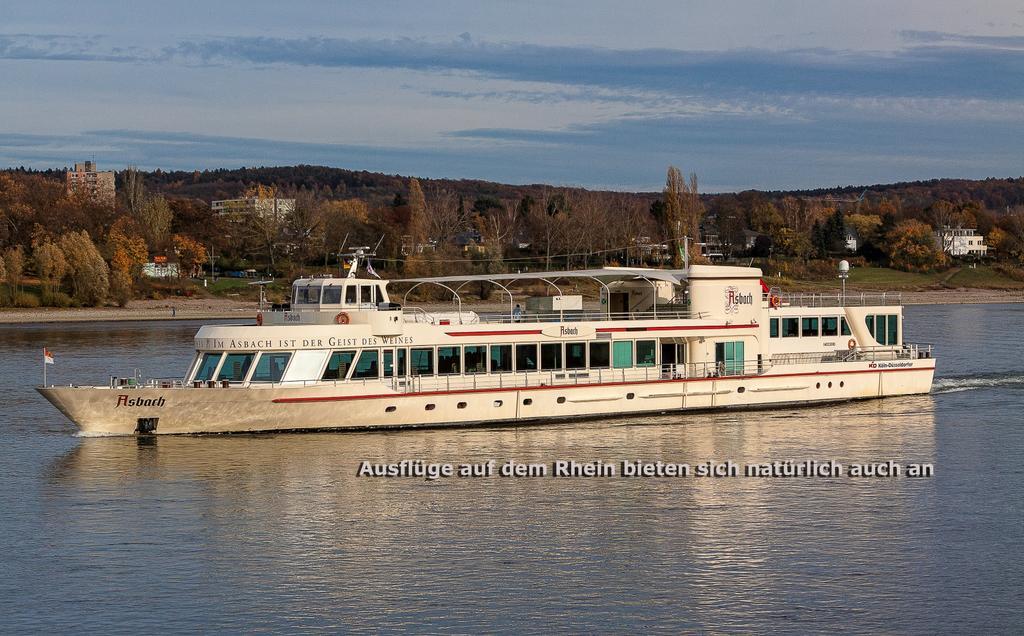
218,308
169,309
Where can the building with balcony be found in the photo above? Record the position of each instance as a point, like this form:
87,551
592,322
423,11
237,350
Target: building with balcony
961,241
240,209
96,185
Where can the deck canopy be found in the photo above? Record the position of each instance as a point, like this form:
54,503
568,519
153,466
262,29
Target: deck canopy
604,275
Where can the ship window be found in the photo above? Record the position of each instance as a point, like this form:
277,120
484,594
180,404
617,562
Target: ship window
207,366
338,364
401,363
235,367
830,326
600,356
461,405
476,358
575,355
809,327
561,400
893,330
350,294
526,357
622,354
380,294
389,363
773,328
448,359
368,365
332,295
844,327
307,295
391,409
790,327
870,322
551,356
306,365
645,353
421,361
270,367
501,358
366,293
527,401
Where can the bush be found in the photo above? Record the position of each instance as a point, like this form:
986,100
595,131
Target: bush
26,300
57,299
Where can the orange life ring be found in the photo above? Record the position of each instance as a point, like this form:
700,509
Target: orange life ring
341,318
259,320
852,344
775,301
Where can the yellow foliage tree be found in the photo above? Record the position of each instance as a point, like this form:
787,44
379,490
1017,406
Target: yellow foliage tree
912,247
191,254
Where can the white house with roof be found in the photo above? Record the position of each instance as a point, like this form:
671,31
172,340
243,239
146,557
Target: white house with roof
961,241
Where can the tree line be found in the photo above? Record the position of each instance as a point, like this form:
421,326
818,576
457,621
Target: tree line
83,252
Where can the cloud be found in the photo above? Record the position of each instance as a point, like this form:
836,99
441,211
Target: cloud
934,64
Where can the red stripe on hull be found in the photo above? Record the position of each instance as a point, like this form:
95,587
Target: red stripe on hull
343,398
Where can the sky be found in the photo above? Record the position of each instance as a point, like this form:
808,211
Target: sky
606,94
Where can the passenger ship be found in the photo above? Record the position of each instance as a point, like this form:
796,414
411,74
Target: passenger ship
342,355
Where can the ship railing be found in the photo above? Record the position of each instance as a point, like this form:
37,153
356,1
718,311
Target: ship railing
837,299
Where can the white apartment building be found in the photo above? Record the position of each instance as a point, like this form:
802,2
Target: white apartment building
961,241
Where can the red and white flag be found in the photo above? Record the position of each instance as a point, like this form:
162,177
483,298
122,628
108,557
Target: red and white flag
47,356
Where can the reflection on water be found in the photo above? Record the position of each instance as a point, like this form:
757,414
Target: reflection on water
518,549
278,532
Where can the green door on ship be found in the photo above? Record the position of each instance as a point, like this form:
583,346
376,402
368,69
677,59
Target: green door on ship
729,357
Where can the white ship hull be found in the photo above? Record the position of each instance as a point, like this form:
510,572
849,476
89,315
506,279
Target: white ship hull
110,411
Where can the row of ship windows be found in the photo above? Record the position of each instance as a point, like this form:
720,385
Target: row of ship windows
810,327
419,361
331,294
884,328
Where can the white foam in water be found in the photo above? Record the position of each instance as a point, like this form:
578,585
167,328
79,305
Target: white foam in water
953,385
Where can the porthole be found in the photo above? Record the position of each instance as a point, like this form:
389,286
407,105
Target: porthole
842,384
818,385
561,400
391,409
498,403
429,407
461,405
527,401
630,396
741,389
830,385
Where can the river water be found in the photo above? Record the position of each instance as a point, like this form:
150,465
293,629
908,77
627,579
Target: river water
277,532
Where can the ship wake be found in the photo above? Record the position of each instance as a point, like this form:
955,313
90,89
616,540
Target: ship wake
970,383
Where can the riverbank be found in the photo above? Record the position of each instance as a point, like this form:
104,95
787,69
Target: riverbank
221,308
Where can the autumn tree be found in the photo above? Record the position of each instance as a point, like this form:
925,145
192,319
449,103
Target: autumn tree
912,248
51,266
90,280
191,255
683,212
15,214
418,225
133,190
14,259
154,217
